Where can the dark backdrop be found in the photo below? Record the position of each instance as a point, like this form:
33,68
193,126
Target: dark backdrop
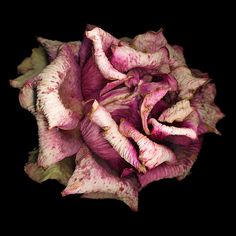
202,199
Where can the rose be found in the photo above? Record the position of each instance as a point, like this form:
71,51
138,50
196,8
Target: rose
114,115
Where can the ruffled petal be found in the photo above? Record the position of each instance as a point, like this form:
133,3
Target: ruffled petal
208,112
176,56
125,58
149,42
120,143
187,82
52,46
96,181
166,171
57,80
30,67
55,144
186,157
101,42
151,154
178,112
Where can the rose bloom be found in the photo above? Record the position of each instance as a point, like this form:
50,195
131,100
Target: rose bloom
114,115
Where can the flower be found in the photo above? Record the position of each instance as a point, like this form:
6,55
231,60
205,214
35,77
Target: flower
114,115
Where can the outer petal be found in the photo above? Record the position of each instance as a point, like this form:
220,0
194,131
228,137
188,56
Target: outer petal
186,157
60,171
94,180
187,82
62,72
55,144
149,42
151,154
176,56
27,96
166,171
101,42
52,46
120,143
30,67
125,58
209,113
178,112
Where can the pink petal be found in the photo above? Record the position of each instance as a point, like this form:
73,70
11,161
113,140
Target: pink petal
178,112
92,80
101,117
186,156
176,56
111,85
125,58
208,112
55,144
96,181
101,42
57,80
187,82
52,46
166,171
151,154
94,139
161,131
149,42
149,102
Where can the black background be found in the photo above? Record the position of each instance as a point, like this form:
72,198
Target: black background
203,199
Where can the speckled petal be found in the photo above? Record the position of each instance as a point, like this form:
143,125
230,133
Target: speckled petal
101,42
151,154
95,180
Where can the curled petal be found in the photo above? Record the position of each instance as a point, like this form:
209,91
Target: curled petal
208,112
55,144
111,85
151,154
125,58
160,131
61,171
101,117
187,82
178,112
52,46
165,171
61,71
95,180
148,103
149,42
101,42
30,67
